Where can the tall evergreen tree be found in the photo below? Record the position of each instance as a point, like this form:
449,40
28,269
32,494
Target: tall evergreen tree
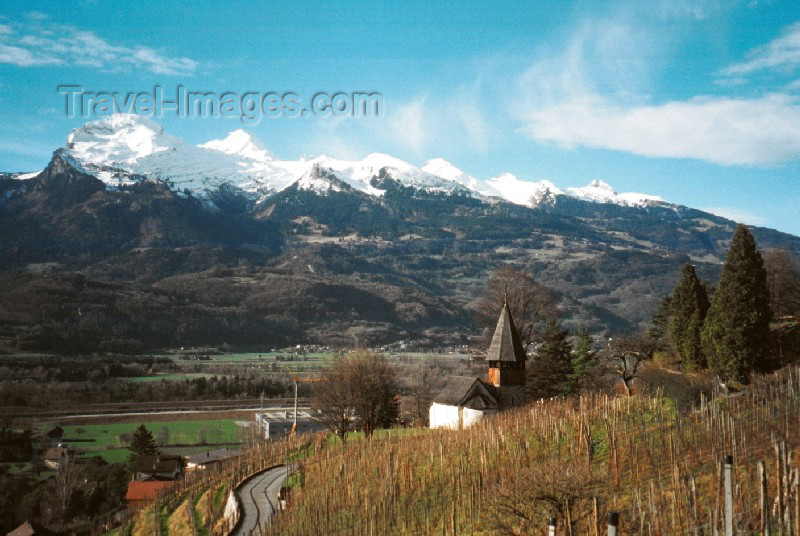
688,308
142,443
736,330
582,358
659,325
550,372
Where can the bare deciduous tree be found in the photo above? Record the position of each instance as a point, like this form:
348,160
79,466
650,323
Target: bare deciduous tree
333,400
626,354
542,490
67,478
529,302
360,391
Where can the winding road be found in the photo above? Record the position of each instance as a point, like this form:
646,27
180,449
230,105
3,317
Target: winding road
259,495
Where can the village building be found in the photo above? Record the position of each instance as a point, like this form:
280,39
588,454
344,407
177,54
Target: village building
465,401
278,424
209,459
142,494
31,528
158,467
55,457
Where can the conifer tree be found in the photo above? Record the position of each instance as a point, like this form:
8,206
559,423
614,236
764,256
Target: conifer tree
552,368
688,308
583,357
142,443
659,325
735,332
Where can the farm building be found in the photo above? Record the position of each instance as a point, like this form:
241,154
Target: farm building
158,467
55,457
210,458
465,401
141,494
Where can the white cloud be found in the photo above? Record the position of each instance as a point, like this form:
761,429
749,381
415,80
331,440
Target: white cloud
465,107
783,53
736,214
39,42
24,57
727,131
565,98
407,123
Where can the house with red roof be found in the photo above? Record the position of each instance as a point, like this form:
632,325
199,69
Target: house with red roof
141,494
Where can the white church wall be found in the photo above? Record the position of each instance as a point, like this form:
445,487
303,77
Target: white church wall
454,417
443,416
472,416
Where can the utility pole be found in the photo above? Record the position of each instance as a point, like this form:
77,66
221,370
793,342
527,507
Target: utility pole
297,381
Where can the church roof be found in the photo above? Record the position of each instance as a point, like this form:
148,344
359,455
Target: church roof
469,392
506,344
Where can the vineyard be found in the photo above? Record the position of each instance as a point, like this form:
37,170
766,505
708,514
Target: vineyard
574,459
196,505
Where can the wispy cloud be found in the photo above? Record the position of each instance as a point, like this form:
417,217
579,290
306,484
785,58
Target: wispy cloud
37,41
407,123
566,101
736,214
727,131
783,53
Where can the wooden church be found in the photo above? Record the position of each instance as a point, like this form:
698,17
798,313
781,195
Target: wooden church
465,401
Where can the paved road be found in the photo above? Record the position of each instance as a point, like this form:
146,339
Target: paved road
259,496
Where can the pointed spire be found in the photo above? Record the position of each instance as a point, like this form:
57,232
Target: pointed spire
506,343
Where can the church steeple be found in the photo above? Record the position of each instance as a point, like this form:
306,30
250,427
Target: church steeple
506,357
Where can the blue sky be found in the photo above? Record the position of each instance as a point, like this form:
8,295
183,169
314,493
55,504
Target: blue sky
697,102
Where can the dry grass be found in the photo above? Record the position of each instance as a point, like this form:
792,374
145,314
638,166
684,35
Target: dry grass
179,523
145,523
204,506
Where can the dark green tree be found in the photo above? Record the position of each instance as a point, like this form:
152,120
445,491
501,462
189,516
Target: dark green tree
659,326
142,443
688,308
551,370
582,359
735,334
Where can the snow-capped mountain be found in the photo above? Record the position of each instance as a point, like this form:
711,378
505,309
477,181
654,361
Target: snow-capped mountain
601,192
125,148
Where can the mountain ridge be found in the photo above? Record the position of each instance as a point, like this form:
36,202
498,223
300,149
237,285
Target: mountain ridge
346,250
122,148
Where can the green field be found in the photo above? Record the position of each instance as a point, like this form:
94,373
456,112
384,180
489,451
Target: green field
122,455
110,436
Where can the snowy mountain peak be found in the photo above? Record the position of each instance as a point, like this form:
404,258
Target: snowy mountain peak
119,139
524,192
601,192
600,185
242,143
318,180
444,169
124,148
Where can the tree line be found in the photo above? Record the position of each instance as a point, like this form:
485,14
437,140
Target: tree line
727,329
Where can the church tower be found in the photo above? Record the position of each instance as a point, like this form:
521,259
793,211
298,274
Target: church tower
506,357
